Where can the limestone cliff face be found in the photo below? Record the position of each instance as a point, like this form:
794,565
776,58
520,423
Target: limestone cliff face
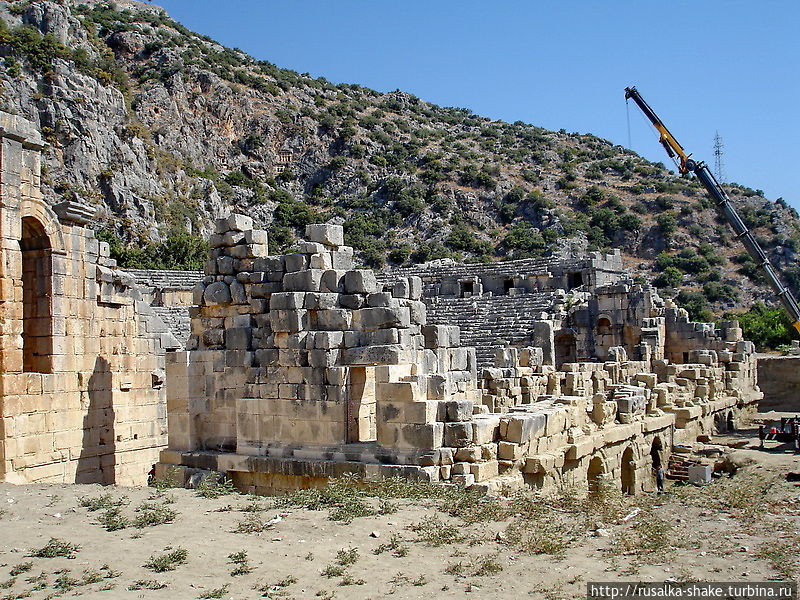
165,129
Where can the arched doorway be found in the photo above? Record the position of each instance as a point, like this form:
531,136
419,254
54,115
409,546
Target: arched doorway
37,272
603,326
628,472
656,461
730,422
656,450
595,474
565,348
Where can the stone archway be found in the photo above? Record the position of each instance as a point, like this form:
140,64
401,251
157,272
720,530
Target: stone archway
657,460
628,472
595,473
37,290
566,348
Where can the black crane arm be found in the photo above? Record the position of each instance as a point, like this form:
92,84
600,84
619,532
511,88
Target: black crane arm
703,173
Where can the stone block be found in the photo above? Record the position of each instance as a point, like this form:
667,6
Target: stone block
330,235
321,260
237,338
321,300
238,293
458,410
399,391
519,429
288,320
234,222
360,282
306,280
337,319
463,479
375,355
510,451
351,301
270,263
366,319
486,428
401,288
287,300
468,454
485,470
295,262
312,248
197,293
225,265
217,294
457,435
415,287
342,259
379,299
446,456
333,281
255,236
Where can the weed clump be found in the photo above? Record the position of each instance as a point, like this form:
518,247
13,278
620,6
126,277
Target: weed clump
112,519
147,584
21,568
214,486
102,501
240,562
479,566
347,557
649,535
151,515
395,545
432,531
55,548
215,593
252,524
168,561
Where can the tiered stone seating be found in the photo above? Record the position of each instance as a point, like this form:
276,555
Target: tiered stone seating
490,322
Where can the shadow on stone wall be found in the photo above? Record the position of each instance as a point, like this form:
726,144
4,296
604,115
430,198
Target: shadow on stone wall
99,436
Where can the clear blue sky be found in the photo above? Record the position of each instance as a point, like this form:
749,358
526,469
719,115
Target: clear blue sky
731,66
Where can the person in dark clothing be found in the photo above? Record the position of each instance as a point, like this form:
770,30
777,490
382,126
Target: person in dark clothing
761,435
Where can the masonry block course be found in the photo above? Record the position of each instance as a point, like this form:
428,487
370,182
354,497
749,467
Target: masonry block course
82,373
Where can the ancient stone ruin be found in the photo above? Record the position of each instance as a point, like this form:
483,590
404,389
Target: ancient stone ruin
285,371
300,368
82,379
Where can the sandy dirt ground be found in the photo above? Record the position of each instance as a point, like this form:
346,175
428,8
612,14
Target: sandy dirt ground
739,528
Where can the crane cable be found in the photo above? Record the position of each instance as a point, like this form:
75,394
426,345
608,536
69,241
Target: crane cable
628,117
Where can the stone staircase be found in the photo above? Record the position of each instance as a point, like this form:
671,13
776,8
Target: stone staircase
491,322
177,319
180,280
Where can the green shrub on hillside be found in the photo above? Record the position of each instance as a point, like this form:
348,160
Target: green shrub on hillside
766,327
180,250
670,277
523,241
696,305
463,238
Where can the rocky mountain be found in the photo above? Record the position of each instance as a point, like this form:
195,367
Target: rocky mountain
164,130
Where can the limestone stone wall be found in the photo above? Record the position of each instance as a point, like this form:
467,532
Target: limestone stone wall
301,368
779,380
82,376
302,356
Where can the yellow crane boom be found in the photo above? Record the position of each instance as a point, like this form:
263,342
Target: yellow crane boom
703,173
